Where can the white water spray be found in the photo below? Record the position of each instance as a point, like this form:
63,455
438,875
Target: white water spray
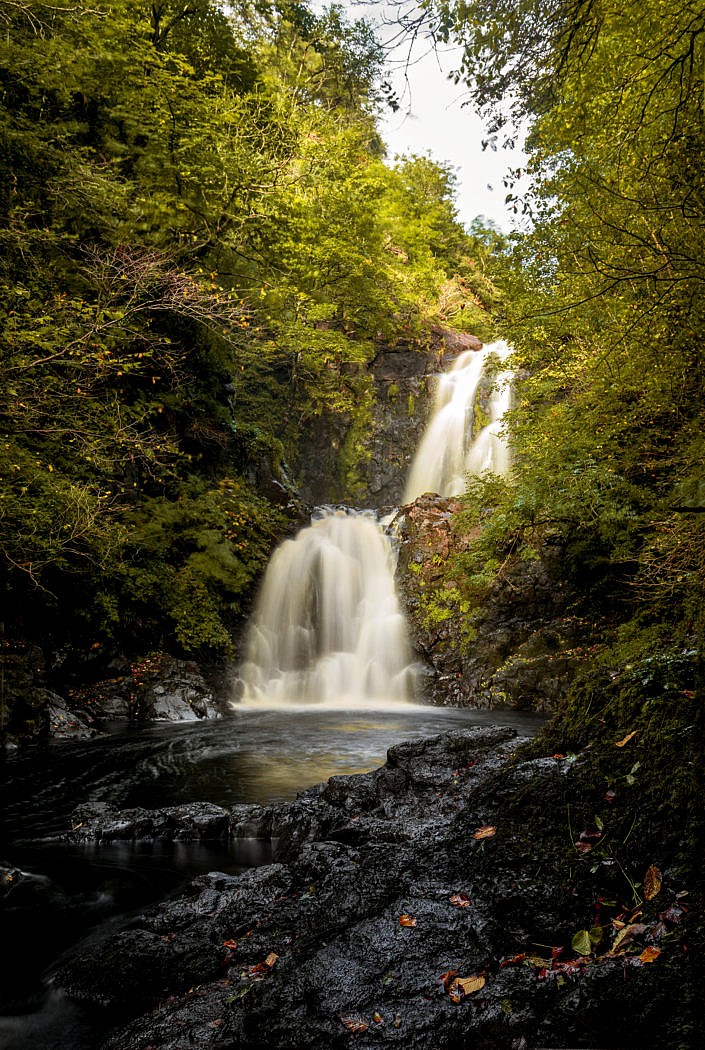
452,445
328,626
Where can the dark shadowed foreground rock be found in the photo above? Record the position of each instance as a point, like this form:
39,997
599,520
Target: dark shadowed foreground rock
434,903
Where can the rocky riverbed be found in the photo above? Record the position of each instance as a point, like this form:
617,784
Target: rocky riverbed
463,895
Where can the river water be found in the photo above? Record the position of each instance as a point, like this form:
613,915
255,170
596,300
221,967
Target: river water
261,754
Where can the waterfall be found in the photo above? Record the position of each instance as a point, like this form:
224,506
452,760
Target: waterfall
327,626
463,436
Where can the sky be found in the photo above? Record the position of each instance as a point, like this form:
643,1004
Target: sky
432,118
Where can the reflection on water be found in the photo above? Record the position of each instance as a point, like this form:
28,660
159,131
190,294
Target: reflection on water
263,753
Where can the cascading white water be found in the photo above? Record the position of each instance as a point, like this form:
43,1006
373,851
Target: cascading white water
448,450
328,626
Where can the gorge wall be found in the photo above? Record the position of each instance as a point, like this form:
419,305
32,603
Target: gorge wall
363,462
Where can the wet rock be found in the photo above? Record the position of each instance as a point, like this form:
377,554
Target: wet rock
518,646
194,822
65,724
449,862
158,687
366,465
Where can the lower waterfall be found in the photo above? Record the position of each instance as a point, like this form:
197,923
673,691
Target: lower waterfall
328,626
463,436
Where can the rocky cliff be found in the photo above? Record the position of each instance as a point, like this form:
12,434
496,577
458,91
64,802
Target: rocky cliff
518,646
364,462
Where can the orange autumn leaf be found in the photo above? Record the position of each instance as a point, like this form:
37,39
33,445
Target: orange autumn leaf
485,832
262,968
407,920
447,977
465,986
460,900
650,954
652,882
232,945
627,738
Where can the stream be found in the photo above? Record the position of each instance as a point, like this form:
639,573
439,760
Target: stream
261,754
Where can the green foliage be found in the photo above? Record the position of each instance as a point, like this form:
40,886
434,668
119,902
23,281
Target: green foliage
196,234
602,290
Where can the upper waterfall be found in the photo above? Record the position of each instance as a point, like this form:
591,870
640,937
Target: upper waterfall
327,625
462,436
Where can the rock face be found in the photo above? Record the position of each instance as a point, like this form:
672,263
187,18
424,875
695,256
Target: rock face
430,904
158,687
369,470
525,633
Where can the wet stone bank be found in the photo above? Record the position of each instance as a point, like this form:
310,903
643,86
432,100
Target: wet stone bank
441,901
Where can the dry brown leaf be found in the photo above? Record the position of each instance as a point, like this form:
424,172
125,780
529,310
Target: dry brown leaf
460,900
465,986
232,945
485,832
407,920
355,1023
447,978
627,738
650,954
652,882
262,968
626,935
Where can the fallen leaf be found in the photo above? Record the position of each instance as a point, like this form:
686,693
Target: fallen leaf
460,900
626,935
465,986
485,832
627,738
407,920
674,914
558,754
447,977
650,954
262,968
587,840
514,961
652,882
232,945
377,1018
355,1023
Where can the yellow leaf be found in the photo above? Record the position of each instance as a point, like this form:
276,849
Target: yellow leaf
465,986
650,954
627,738
652,882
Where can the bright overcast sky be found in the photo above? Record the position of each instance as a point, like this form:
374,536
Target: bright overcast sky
433,119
